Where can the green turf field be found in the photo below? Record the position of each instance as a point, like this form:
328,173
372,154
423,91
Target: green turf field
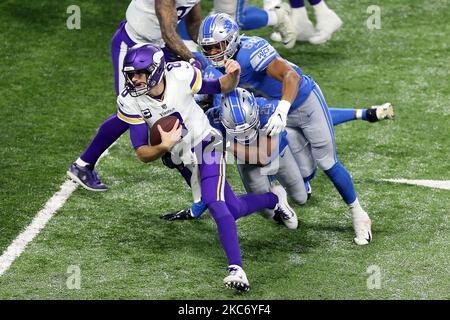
57,87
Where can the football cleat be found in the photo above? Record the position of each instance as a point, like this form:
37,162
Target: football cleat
86,177
286,213
178,215
382,112
276,37
236,279
304,26
284,25
328,22
362,226
308,189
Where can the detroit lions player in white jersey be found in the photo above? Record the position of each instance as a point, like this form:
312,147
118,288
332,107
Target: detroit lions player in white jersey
302,106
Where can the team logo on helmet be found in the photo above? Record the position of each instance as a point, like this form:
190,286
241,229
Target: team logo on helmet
218,38
240,115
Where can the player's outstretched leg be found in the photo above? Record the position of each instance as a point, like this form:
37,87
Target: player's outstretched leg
381,112
301,22
342,180
284,25
328,22
318,130
372,114
82,170
275,200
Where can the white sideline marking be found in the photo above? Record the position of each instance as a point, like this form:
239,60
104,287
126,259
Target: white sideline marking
40,220
438,184
19,244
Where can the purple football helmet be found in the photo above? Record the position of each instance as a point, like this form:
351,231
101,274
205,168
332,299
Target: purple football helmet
143,58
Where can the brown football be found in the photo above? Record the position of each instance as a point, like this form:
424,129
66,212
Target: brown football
166,124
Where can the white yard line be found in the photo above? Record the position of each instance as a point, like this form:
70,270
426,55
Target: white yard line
438,184
19,244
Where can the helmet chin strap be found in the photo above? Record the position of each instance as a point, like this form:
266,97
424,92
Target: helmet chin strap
160,95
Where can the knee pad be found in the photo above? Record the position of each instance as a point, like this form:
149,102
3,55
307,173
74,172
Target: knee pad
299,197
326,163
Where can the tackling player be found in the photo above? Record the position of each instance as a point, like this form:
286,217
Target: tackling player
240,117
155,90
302,106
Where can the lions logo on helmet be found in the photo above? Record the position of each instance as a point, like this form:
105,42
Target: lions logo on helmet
240,115
218,38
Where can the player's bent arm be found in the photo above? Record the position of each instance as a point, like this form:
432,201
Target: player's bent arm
281,70
193,20
261,153
148,153
230,80
168,19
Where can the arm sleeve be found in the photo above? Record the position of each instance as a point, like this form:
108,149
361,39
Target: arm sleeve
210,86
139,135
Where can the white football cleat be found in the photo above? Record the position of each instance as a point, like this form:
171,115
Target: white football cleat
302,24
328,22
362,226
276,37
287,214
284,25
385,111
270,4
236,279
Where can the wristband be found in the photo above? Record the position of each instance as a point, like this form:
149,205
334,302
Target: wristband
284,106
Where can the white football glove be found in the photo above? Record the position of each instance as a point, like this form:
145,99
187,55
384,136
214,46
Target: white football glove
277,122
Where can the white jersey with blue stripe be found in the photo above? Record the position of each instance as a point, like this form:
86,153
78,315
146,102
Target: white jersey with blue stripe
254,55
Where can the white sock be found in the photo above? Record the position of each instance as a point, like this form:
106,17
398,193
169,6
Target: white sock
356,210
320,7
273,19
81,163
270,4
359,113
300,13
355,205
